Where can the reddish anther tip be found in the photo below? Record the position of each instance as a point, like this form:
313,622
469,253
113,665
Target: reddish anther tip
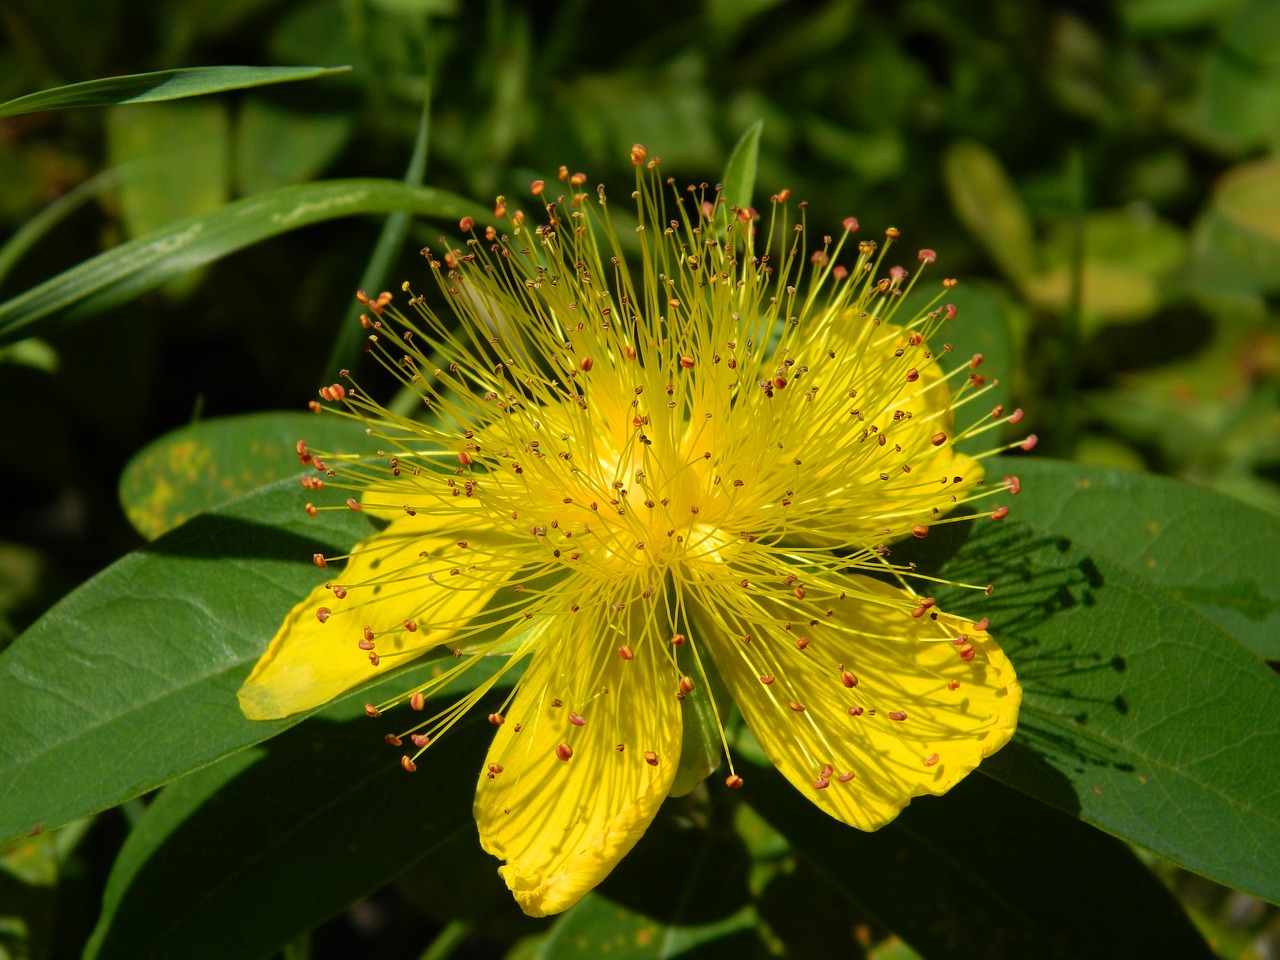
913,375
1013,484
417,701
497,719
392,739
976,361
851,224
982,624
494,769
576,720
466,224
464,458
687,362
845,777
537,187
639,153
651,758
585,364
1015,416
930,760
999,513
798,593
353,504
420,740
802,643
371,711
409,765
953,684
821,783
797,707
310,508
322,614
733,782
319,560
365,644
855,711
339,591
920,531
678,640
897,715
967,652
1030,442
849,679
410,626
927,256
626,653
938,439
564,751
767,678
686,684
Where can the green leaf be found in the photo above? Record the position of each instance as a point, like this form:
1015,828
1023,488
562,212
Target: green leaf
131,680
133,268
276,146
1205,550
740,171
196,468
1140,714
980,873
161,85
987,202
323,811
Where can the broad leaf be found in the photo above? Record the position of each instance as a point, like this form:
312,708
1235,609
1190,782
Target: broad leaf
131,680
980,873
133,268
196,468
1140,715
1208,551
342,819
161,85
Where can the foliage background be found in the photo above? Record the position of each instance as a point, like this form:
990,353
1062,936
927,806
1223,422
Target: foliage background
1103,176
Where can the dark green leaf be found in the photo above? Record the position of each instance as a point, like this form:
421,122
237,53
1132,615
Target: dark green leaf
131,680
1140,715
133,268
740,171
197,468
988,874
161,85
323,812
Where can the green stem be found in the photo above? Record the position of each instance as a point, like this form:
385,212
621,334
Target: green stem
448,940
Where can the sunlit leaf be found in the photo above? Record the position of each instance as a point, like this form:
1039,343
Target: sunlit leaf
1141,714
740,171
987,202
161,85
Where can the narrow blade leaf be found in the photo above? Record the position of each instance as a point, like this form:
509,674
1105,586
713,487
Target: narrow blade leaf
160,85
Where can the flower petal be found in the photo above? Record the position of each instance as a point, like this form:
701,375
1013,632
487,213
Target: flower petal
568,789
411,571
854,684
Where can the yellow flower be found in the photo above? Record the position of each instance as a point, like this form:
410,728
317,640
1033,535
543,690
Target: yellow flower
640,464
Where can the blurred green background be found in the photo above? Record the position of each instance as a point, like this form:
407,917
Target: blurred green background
1103,177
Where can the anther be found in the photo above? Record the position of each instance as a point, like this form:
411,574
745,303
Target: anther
767,678
999,513
953,684
310,508
393,740
576,720
938,439
897,715
920,531
420,740
821,783
733,781
982,624
496,719
417,701
353,504
409,765
1013,484
371,711
410,626
913,375
855,711
494,770
930,760
585,364
849,679
678,640
802,643
1030,442
651,758
626,653
797,707
686,684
